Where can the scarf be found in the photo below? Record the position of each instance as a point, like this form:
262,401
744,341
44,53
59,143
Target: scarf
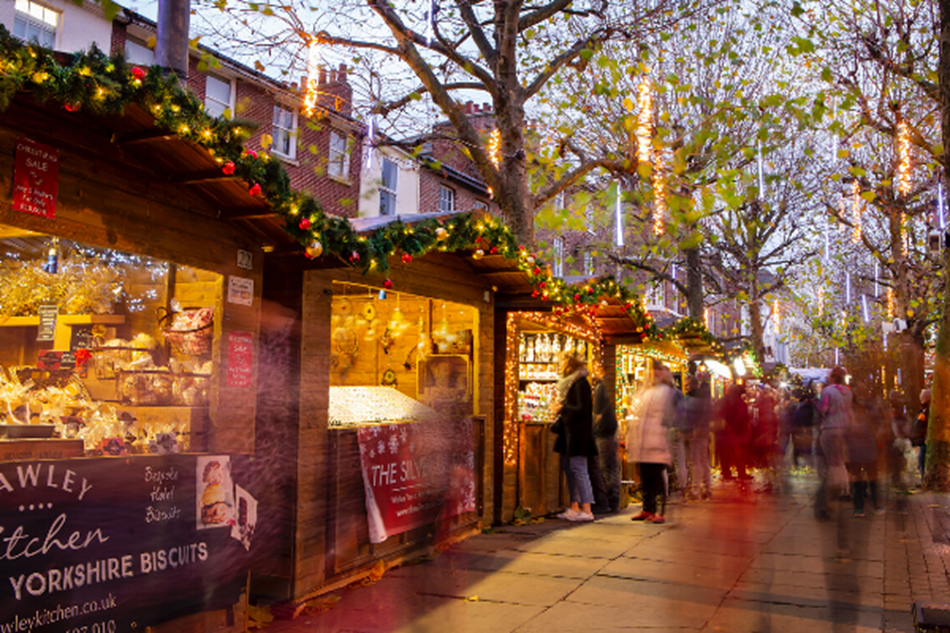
564,384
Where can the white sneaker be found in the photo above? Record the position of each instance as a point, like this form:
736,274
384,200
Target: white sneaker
567,514
581,516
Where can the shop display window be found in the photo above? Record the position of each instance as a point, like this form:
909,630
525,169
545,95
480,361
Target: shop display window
109,348
399,357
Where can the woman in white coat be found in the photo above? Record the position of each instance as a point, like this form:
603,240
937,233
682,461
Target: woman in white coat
648,444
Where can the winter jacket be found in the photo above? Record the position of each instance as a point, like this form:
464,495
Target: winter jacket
605,420
577,436
647,434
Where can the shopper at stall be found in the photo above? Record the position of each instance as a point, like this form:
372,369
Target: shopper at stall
647,443
699,408
605,436
573,425
733,439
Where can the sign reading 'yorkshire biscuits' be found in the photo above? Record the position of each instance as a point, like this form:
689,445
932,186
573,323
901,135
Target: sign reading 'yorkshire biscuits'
116,544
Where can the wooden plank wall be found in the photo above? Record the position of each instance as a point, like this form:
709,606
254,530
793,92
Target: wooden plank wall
437,276
119,205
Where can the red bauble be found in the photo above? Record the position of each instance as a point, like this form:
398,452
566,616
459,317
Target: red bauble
537,271
255,190
535,294
73,107
577,297
478,238
228,168
406,258
354,257
252,153
388,284
138,73
304,224
493,250
542,285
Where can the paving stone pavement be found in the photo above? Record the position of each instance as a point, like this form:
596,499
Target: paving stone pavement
748,562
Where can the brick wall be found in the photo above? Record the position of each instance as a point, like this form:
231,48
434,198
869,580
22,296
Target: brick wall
254,101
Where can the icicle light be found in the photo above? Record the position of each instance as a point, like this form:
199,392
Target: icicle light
903,159
777,311
313,77
494,147
856,208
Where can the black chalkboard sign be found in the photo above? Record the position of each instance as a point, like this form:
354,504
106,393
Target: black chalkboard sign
82,338
47,329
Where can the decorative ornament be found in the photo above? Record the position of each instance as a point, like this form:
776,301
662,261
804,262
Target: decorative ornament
228,168
314,249
251,153
406,258
493,250
388,284
255,190
494,147
577,297
441,234
313,73
138,73
389,378
354,257
304,224
73,106
903,159
478,254
368,312
536,271
530,261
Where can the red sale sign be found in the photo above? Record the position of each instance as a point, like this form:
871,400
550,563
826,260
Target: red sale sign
416,473
35,178
240,358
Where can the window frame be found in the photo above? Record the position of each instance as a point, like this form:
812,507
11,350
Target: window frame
559,246
22,11
232,88
334,155
386,192
451,198
278,132
138,45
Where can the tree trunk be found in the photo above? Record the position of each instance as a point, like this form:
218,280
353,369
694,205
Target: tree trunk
938,430
695,296
755,324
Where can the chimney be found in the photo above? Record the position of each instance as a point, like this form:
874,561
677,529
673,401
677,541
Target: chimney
335,91
171,45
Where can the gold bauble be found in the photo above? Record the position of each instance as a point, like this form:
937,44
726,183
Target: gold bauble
314,249
478,254
441,234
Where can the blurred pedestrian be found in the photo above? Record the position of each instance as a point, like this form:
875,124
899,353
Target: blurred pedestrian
681,437
834,406
647,443
919,432
608,449
862,453
698,406
573,425
898,440
734,437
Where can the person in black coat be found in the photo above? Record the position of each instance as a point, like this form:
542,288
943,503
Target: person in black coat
605,467
575,439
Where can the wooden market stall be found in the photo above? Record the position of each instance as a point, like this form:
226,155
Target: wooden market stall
128,349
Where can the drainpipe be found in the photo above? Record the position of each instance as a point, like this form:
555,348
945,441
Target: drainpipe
171,48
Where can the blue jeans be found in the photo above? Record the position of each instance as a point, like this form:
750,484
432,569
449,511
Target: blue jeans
578,481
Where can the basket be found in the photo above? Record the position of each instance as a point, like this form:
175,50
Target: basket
190,331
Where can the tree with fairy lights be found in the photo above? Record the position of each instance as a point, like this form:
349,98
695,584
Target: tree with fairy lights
429,57
882,79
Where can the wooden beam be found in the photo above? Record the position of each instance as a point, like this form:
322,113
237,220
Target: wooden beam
248,213
145,136
199,177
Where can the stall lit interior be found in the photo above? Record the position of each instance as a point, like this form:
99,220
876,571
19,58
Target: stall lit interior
110,351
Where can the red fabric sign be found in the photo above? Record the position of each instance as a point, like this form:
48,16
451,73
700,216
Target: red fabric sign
416,473
35,178
240,358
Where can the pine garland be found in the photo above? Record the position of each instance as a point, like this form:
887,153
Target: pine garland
98,83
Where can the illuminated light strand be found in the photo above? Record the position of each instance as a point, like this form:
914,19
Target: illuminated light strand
777,311
313,77
821,300
903,159
905,239
890,303
856,211
493,147
645,122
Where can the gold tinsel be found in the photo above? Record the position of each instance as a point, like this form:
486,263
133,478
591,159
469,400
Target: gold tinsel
82,286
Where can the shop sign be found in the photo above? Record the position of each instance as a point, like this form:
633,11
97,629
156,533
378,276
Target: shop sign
115,544
245,259
47,330
240,290
240,358
35,178
416,473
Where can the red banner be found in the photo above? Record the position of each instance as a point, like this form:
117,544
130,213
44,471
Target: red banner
35,178
240,358
416,473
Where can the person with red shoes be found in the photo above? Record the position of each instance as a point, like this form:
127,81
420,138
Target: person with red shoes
647,443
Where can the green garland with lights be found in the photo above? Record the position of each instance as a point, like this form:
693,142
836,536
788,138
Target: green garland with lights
98,83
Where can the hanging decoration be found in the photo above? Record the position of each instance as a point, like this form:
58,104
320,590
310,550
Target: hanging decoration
659,195
493,147
856,211
890,304
777,311
313,77
903,159
645,122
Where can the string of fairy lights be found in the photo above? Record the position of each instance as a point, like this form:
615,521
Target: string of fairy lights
648,155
